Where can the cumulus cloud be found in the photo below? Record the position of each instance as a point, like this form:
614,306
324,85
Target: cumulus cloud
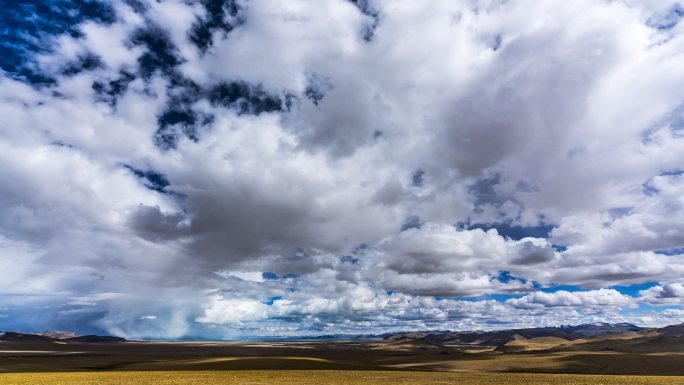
562,298
233,166
232,311
669,293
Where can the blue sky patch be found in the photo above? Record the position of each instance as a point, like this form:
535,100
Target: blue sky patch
633,290
221,15
514,232
28,27
153,180
269,276
271,300
672,251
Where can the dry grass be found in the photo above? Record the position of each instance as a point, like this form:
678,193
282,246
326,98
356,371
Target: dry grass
354,359
322,377
538,343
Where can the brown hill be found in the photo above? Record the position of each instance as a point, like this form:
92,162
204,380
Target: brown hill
532,344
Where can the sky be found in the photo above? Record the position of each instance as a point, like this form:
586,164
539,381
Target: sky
227,169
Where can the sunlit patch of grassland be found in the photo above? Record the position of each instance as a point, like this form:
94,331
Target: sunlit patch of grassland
321,377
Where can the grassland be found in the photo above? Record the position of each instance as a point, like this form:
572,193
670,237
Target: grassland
323,377
535,361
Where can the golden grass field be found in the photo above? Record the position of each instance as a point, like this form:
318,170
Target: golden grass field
322,377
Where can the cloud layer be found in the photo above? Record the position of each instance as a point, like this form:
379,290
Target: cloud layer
218,169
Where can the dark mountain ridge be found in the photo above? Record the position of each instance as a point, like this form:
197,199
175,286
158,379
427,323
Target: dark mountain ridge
500,337
52,337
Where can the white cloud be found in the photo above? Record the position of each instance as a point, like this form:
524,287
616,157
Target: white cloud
232,311
562,298
669,293
254,276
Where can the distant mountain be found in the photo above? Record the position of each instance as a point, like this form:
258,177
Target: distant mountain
481,338
601,328
673,330
332,337
57,336
499,338
605,334
60,335
13,336
97,339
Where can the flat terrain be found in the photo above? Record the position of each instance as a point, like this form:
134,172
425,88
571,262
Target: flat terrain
292,377
531,356
59,356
